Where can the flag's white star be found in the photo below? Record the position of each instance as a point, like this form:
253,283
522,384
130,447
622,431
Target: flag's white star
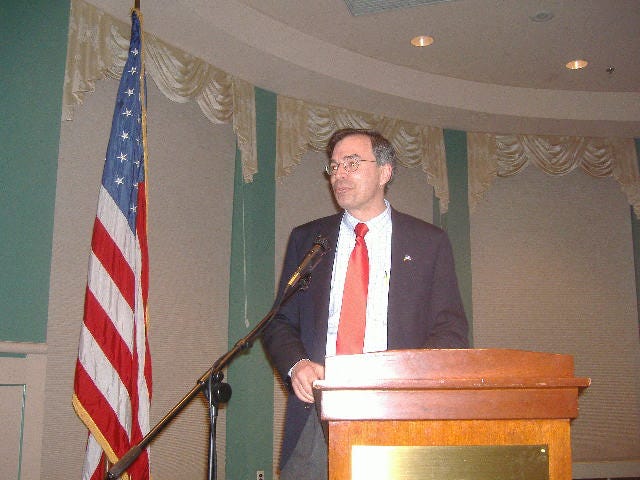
134,51
137,163
130,91
134,208
122,157
124,135
133,70
127,112
119,180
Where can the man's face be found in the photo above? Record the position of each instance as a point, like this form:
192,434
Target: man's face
360,192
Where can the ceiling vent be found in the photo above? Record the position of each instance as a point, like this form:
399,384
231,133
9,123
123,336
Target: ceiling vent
366,7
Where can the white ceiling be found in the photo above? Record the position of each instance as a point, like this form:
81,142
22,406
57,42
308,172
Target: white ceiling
491,68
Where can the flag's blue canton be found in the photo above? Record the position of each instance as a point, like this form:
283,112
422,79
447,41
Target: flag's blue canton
124,164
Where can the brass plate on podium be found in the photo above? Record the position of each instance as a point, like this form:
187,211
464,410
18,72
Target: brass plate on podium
495,462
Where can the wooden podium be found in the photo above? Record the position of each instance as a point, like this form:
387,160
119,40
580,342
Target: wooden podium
445,414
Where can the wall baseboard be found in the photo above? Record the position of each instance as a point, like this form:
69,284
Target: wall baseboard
24,348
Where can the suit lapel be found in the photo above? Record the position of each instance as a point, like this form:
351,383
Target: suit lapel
400,246
321,284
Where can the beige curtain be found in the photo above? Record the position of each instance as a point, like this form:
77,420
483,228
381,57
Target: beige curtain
492,156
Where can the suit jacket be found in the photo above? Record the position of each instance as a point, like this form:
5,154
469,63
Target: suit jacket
424,311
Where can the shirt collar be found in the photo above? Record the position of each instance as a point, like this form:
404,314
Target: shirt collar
375,223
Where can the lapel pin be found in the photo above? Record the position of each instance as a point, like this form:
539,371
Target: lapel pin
407,258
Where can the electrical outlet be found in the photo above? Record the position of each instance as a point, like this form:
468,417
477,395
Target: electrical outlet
260,475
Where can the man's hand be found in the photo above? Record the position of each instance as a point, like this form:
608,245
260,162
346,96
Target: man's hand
303,374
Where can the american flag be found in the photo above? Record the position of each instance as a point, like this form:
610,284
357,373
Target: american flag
112,389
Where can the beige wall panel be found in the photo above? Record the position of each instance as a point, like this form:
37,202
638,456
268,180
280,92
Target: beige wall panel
11,418
21,412
553,270
190,179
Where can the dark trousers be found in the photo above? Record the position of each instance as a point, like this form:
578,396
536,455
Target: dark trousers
309,458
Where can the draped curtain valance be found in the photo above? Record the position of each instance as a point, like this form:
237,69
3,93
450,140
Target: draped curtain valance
492,156
303,126
97,49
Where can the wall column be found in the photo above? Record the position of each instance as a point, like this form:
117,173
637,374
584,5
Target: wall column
249,429
456,220
34,46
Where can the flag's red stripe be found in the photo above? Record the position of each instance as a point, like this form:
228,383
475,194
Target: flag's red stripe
110,256
147,366
107,336
98,473
140,468
141,229
136,433
99,317
93,401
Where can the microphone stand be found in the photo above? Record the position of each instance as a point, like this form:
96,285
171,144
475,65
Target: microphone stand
214,389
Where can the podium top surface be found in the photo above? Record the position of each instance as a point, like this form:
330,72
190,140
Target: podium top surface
472,384
442,368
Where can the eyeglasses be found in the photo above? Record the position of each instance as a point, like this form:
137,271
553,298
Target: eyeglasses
350,165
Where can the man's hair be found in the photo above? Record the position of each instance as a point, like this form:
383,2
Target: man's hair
383,151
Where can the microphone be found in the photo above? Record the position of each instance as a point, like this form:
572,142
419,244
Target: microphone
310,260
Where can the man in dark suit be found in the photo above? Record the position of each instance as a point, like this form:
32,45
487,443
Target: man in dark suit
412,299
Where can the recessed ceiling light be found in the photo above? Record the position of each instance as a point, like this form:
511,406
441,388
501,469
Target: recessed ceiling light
543,16
422,41
576,64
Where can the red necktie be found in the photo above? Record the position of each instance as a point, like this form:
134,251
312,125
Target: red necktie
353,314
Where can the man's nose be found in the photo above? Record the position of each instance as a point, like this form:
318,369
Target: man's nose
342,170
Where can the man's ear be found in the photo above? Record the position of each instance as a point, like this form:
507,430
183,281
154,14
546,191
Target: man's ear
386,172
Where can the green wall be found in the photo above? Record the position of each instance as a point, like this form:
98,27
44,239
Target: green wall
32,53
456,220
250,411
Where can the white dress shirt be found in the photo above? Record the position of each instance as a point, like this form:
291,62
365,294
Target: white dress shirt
378,240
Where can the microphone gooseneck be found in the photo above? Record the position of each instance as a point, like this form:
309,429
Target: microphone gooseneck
310,260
